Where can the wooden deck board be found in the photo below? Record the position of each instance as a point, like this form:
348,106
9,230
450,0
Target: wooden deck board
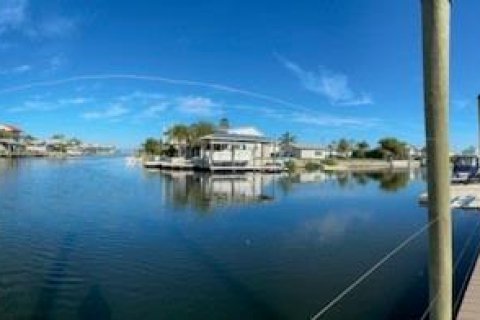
470,307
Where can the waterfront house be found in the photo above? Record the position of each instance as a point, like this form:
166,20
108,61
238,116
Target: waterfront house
235,149
10,132
415,152
36,148
10,139
306,151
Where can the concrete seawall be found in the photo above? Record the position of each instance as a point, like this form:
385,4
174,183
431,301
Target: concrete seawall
363,164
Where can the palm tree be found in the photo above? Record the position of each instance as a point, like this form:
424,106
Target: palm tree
343,146
200,129
152,146
363,145
287,139
361,149
179,135
224,124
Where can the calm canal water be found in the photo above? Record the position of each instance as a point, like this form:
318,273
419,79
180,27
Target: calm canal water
96,239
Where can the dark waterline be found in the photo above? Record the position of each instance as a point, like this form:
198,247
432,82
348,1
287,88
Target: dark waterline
95,239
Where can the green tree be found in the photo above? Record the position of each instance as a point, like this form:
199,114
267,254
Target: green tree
74,142
224,124
179,133
360,150
287,139
58,136
200,129
343,146
363,145
469,151
152,146
394,147
29,138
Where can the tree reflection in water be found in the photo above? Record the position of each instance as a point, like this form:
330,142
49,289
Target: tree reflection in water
387,180
205,191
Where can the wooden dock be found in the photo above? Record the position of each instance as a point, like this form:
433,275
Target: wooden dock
462,196
466,196
470,307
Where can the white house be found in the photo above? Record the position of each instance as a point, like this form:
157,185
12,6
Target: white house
10,131
241,148
306,151
9,139
415,152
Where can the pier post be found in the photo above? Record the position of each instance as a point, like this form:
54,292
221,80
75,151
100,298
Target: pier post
436,56
478,119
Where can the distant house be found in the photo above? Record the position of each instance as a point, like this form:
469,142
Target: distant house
415,152
36,147
10,139
306,151
10,132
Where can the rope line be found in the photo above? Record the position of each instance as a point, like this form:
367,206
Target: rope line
370,271
457,263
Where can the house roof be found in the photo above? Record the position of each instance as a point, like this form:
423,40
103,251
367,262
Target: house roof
241,134
233,137
10,128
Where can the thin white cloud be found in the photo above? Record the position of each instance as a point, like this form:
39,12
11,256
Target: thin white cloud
203,106
16,70
334,87
113,112
16,16
200,106
461,103
153,111
56,62
22,69
75,101
142,96
326,120
56,27
309,117
182,82
40,104
34,106
12,15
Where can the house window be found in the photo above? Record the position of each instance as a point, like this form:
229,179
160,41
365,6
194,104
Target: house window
319,153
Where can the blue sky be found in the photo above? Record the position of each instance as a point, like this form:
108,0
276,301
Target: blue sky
119,71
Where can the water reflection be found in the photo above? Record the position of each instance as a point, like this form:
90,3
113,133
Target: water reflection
204,191
333,225
8,165
390,181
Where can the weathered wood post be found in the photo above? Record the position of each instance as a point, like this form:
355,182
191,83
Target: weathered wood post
436,56
478,115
